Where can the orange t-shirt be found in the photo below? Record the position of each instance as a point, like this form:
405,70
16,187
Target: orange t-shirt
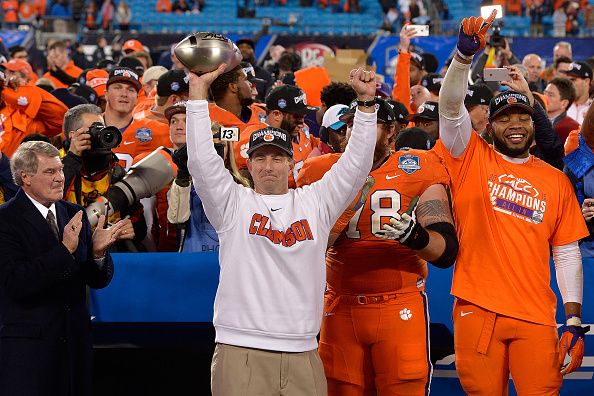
28,110
506,215
359,262
141,136
143,105
71,69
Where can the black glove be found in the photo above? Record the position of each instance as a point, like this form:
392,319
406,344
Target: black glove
180,159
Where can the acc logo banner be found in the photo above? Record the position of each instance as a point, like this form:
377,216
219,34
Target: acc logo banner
409,163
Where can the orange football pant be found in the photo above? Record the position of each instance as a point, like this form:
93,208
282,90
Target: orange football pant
376,344
490,346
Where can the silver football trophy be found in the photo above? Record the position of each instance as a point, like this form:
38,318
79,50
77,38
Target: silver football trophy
204,52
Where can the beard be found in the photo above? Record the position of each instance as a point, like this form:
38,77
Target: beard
513,152
245,102
288,126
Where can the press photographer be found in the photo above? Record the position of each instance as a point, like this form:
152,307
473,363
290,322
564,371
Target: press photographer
90,166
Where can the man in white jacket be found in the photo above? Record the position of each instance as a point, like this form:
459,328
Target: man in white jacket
268,307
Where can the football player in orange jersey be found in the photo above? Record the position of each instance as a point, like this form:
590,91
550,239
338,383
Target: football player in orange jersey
286,107
138,136
511,210
374,335
233,104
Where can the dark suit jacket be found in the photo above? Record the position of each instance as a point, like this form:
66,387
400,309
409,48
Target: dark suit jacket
45,329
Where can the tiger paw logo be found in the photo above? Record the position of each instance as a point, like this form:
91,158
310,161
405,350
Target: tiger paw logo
405,314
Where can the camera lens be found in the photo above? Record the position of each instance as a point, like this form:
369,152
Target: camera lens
108,137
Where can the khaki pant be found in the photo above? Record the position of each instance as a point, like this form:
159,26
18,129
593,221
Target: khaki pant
239,371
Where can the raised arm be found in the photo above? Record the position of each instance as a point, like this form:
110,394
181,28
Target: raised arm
344,180
454,123
212,181
401,90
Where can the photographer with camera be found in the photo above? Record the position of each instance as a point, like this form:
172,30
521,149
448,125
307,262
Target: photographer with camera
90,166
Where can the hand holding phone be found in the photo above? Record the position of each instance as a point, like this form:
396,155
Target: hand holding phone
421,30
496,74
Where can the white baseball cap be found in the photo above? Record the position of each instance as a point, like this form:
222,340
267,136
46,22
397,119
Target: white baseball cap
331,120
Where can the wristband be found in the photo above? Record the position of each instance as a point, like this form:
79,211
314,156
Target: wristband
573,320
366,103
465,57
418,238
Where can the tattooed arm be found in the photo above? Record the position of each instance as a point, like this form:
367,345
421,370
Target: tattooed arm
432,212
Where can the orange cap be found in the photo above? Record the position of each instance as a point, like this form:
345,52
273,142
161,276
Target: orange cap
132,46
19,65
97,79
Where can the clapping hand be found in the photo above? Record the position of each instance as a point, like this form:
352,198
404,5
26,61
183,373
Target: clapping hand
103,238
72,231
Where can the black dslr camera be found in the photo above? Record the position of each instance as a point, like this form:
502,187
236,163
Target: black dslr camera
497,39
104,138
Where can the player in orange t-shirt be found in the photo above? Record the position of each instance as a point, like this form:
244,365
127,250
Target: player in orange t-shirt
374,334
26,110
516,206
286,108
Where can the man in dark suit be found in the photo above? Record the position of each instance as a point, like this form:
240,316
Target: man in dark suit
48,255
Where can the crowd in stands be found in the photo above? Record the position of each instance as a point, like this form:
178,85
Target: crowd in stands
140,99
180,6
567,16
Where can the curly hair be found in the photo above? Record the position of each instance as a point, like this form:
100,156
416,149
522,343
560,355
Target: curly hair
337,93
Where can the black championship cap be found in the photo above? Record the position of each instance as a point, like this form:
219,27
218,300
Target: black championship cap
478,94
245,40
84,91
385,113
251,73
270,136
506,100
418,60
579,70
432,82
179,107
133,63
173,82
428,110
123,74
414,138
288,99
400,111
